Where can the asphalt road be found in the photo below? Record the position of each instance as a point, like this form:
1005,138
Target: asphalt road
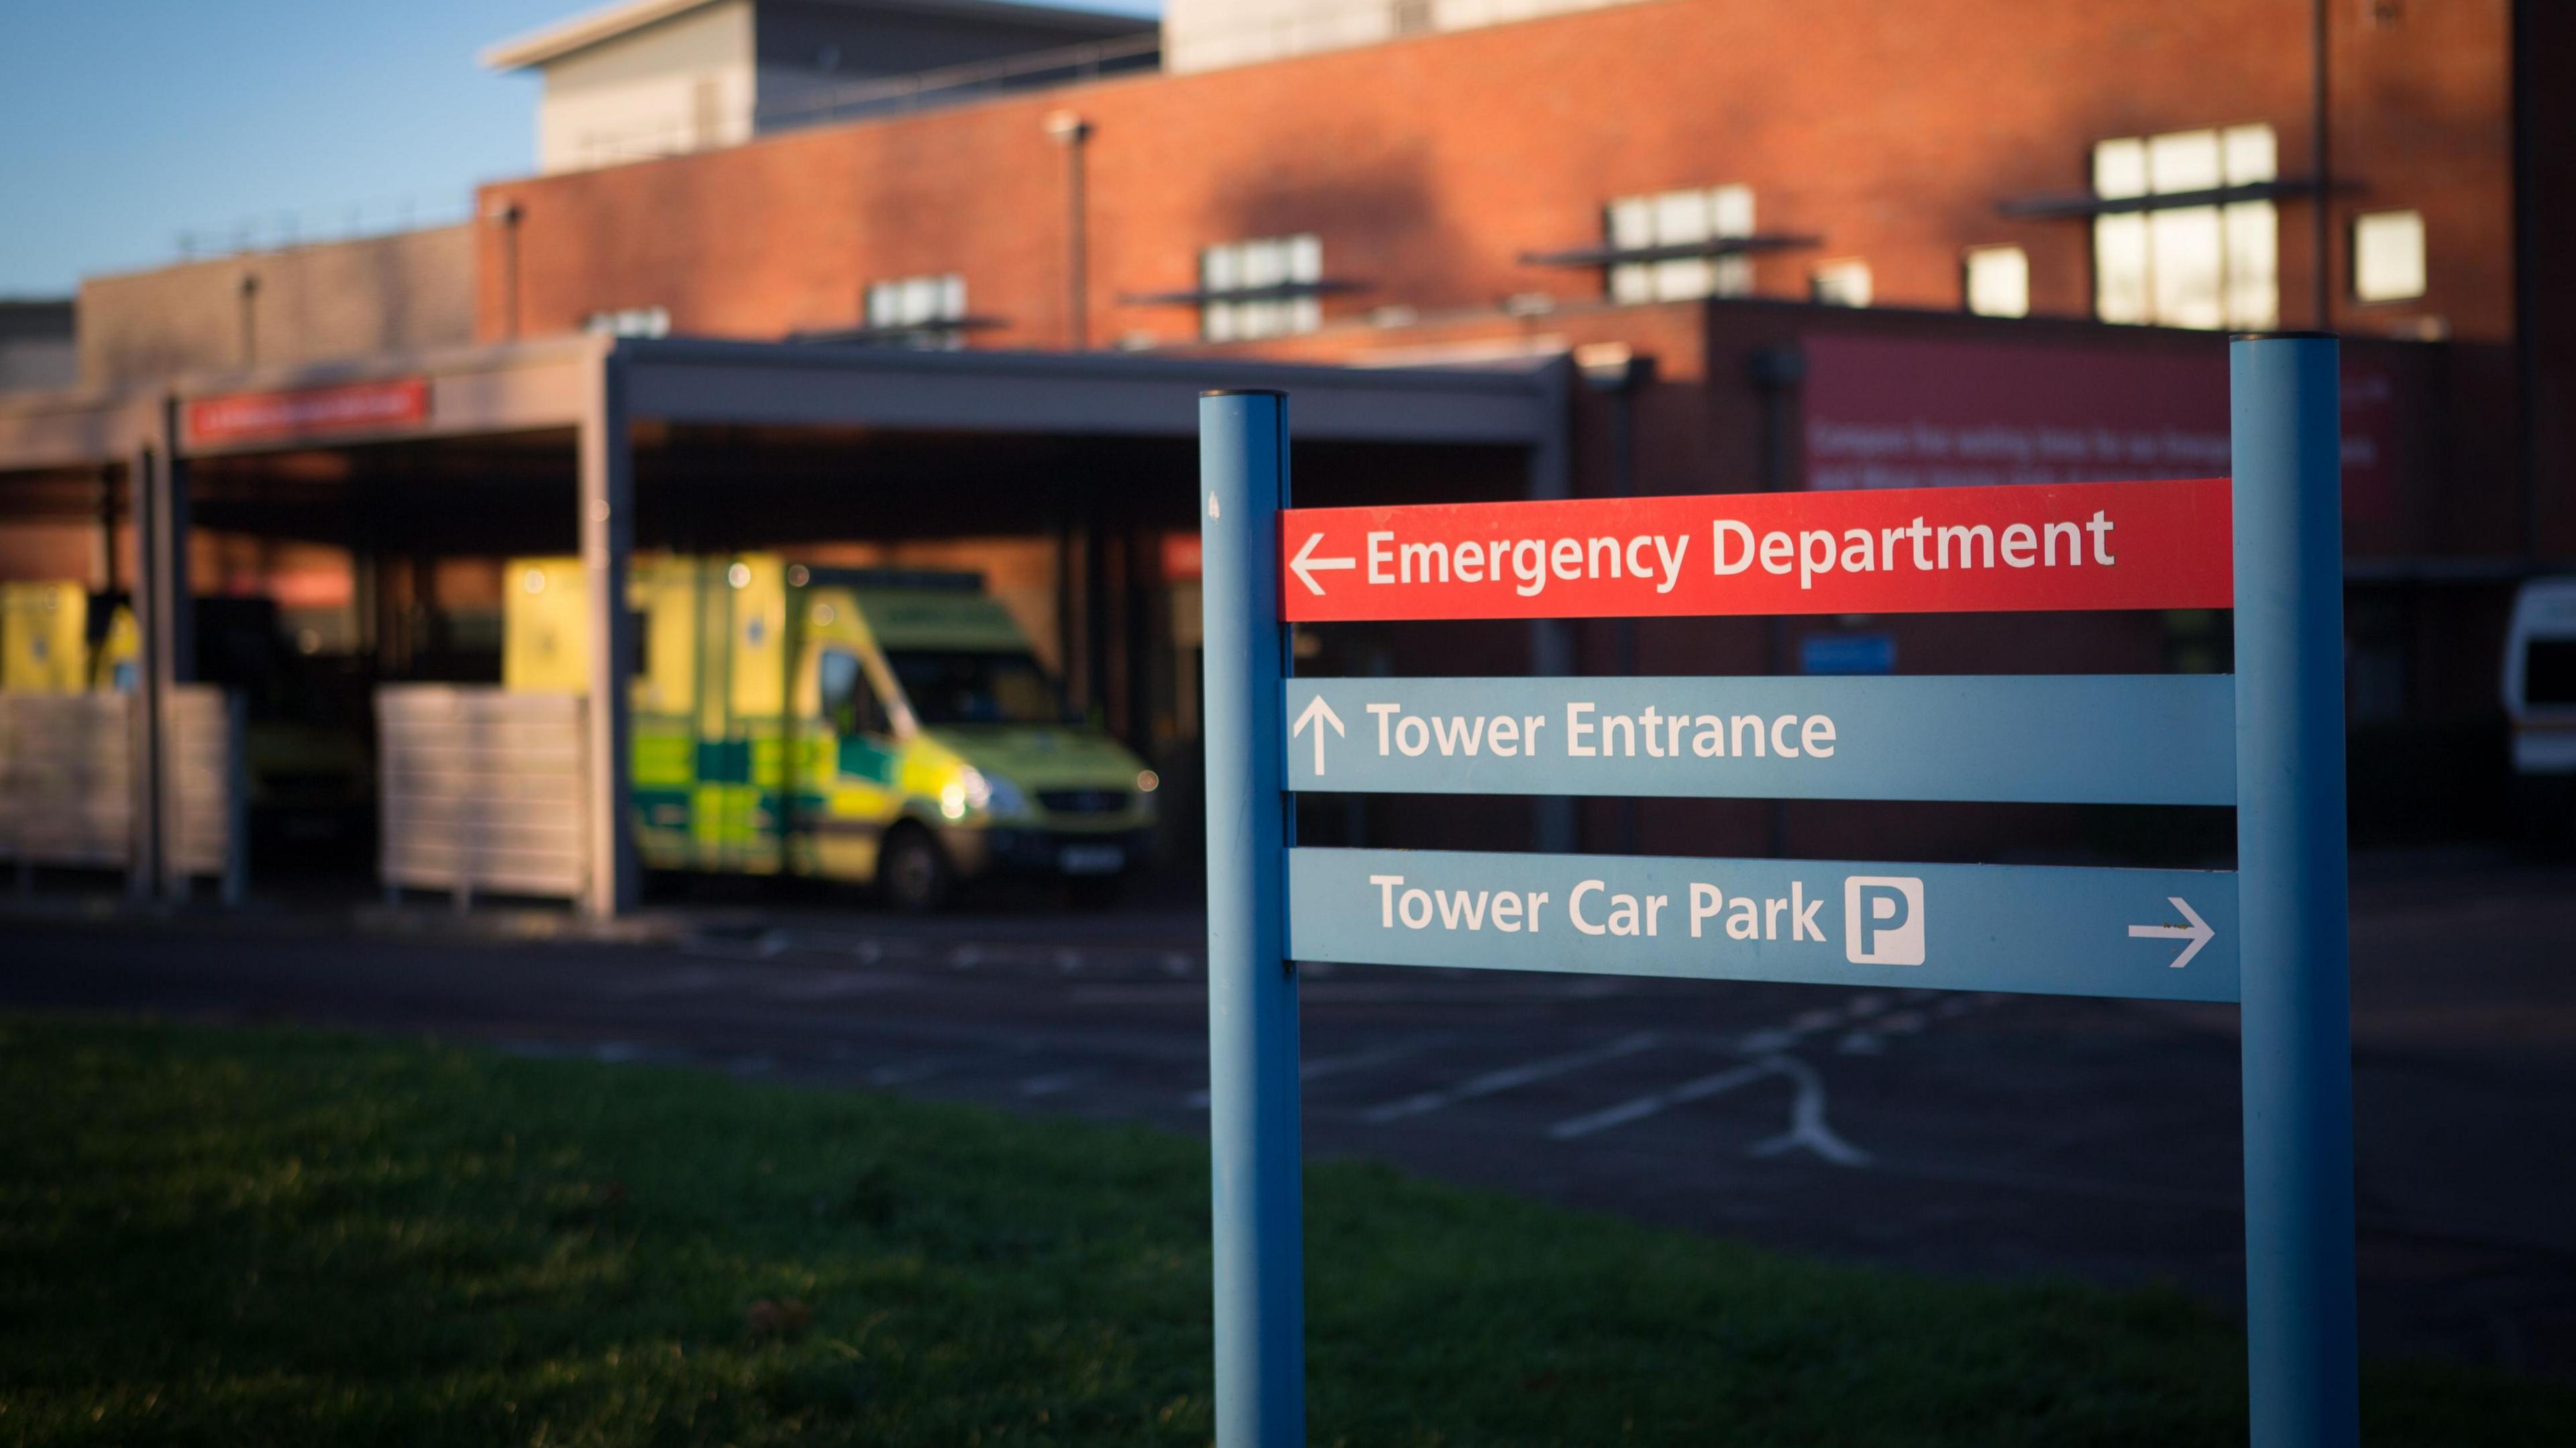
1969,1134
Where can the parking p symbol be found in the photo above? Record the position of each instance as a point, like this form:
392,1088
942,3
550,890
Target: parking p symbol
1883,920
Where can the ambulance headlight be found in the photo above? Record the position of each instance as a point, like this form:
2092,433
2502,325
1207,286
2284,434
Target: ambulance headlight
988,792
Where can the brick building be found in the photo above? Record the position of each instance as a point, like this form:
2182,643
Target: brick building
1741,247
1772,232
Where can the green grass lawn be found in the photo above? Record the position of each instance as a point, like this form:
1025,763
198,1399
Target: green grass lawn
276,1237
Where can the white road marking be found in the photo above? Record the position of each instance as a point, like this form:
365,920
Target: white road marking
1807,1127
1052,1084
1647,1105
676,982
1509,1078
1323,1066
904,1072
763,946
831,985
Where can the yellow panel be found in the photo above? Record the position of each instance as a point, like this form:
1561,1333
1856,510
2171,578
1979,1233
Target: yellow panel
112,669
758,583
545,626
664,590
44,645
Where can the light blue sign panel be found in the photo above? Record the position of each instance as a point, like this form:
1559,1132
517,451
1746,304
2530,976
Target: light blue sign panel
1867,653
2149,934
2073,739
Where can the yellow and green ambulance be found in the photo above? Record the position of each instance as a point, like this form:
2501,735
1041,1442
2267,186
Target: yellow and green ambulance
884,727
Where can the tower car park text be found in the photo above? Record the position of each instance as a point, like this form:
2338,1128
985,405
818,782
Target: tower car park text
1527,564
1882,916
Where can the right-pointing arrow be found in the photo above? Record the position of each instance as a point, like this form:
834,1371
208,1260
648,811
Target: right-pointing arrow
2197,932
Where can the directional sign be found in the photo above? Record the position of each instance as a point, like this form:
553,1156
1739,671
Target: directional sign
2073,739
2150,934
1899,550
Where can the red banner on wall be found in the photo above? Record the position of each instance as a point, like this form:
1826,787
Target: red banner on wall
308,412
2155,544
1902,412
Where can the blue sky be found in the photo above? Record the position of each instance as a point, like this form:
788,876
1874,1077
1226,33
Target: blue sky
132,121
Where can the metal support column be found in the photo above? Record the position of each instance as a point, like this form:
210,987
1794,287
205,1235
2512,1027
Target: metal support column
1551,475
2296,1019
1259,1234
607,538
143,867
171,628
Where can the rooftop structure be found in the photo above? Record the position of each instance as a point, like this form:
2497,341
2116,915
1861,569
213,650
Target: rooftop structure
665,77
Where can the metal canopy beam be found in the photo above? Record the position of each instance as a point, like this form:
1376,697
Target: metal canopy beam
1600,256
2044,208
71,430
1091,395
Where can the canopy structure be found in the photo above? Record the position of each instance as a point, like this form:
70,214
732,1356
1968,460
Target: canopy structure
739,444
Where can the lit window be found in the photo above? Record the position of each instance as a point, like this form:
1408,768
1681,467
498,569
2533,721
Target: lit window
1843,282
1680,218
2388,256
630,322
2187,266
1281,273
927,308
1997,281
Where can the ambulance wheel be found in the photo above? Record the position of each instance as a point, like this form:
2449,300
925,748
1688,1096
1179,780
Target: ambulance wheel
912,871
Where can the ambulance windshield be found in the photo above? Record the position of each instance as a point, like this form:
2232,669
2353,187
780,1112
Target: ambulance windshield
960,686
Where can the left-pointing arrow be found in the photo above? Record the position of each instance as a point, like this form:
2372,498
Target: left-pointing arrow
2197,932
1318,714
1305,565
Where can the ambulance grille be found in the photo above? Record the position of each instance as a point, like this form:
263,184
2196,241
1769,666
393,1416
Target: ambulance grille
1083,801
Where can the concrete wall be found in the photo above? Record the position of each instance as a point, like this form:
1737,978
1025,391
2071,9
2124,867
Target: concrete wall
36,351
682,84
307,304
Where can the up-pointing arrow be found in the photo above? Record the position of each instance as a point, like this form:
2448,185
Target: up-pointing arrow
1305,565
1315,711
2197,932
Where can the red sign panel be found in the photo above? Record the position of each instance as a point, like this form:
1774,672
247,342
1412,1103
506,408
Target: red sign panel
2158,544
311,411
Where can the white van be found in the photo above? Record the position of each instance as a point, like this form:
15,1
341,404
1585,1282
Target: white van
2540,700
2540,677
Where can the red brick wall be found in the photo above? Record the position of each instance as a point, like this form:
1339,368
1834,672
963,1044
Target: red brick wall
1429,165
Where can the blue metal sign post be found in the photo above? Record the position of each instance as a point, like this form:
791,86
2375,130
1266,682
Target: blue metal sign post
2271,935
1258,1230
2290,859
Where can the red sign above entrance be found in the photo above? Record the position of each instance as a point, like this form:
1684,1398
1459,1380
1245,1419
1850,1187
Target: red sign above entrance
307,412
2011,548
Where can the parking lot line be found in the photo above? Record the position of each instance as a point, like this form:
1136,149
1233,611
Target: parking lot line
1510,1077
1644,1106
